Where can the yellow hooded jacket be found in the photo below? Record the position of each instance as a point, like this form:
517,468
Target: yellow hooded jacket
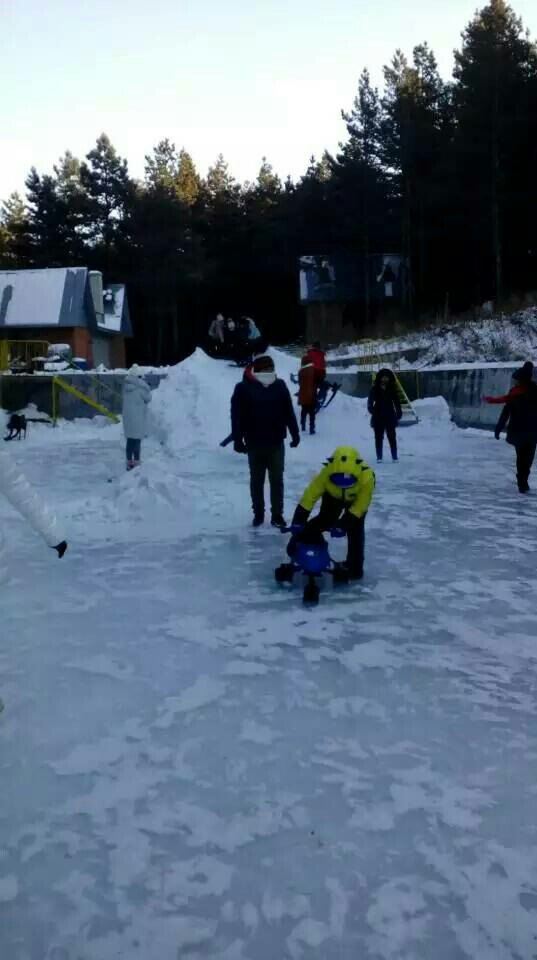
357,496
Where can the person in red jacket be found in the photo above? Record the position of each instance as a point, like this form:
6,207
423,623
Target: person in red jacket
317,357
307,393
519,419
521,377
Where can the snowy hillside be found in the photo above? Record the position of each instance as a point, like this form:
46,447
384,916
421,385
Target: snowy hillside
487,340
196,766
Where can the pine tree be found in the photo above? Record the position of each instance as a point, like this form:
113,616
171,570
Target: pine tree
268,185
359,182
162,166
219,181
414,125
109,192
46,221
67,172
187,183
14,239
72,195
172,172
313,209
494,71
154,266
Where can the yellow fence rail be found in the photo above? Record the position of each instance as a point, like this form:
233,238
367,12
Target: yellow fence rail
95,378
21,352
59,384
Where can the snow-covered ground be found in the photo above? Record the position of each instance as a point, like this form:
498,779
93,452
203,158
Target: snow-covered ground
483,341
195,766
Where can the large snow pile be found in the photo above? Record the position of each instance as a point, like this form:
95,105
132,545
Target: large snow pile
196,766
494,339
192,405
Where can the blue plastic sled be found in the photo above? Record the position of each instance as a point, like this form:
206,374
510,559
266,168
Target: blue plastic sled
312,559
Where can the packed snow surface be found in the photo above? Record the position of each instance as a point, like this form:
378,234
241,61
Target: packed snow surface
196,766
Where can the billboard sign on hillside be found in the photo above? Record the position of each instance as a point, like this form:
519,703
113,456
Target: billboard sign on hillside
344,278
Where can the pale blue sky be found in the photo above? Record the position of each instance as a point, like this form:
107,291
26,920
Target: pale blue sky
241,77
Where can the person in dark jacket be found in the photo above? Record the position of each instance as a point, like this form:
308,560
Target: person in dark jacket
385,409
261,414
519,417
307,393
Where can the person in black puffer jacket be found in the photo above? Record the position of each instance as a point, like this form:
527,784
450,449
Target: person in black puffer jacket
385,409
519,416
261,414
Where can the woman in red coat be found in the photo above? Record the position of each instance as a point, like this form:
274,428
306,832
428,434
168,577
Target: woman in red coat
317,357
307,393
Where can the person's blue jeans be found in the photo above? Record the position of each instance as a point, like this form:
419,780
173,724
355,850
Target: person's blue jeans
134,448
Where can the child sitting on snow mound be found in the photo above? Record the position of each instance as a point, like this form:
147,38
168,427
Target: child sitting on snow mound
345,488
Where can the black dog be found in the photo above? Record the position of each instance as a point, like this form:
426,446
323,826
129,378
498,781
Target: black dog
18,425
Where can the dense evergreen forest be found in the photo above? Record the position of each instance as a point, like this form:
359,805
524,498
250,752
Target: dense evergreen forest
444,173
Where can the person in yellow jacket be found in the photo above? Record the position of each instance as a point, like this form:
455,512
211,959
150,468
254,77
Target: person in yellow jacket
345,488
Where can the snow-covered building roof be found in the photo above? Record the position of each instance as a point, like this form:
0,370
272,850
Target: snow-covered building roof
60,297
43,298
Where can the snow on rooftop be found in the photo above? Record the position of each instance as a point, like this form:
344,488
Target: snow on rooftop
34,298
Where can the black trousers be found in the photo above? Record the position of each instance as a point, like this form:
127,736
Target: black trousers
381,429
525,455
333,513
133,449
263,460
306,412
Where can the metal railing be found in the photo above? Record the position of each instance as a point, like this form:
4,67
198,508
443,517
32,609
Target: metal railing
21,353
59,384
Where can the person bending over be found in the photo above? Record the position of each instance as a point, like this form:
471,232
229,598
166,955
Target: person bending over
345,488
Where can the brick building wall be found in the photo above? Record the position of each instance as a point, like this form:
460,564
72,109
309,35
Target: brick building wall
78,338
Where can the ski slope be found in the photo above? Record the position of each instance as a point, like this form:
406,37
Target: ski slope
196,766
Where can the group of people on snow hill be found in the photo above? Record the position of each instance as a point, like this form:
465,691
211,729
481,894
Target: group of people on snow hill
262,416
238,339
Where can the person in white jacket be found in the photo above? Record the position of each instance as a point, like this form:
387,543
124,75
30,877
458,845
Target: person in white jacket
136,398
15,487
